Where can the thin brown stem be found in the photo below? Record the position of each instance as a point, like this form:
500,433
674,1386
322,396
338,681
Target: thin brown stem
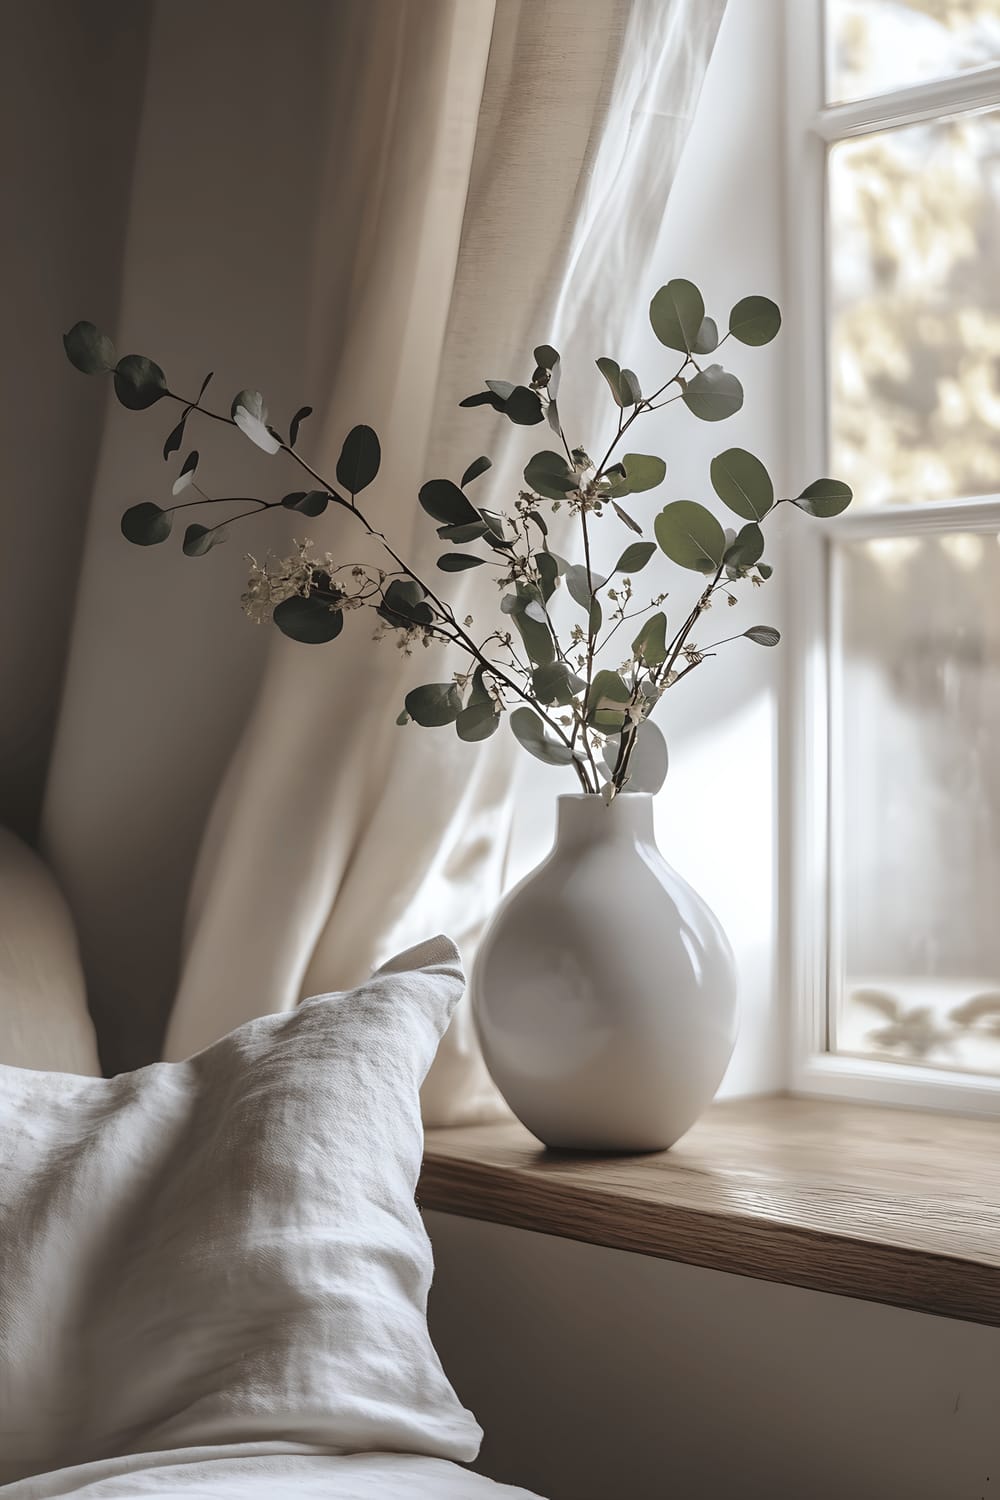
678,642
461,636
242,515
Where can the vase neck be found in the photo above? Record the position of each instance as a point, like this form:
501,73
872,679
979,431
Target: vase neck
587,820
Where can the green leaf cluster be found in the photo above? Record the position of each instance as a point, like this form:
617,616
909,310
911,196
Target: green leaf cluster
567,707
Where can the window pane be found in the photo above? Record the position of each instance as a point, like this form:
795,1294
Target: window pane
877,45
915,311
917,740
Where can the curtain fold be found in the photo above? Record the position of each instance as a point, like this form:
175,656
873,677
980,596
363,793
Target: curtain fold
217,219
519,176
385,202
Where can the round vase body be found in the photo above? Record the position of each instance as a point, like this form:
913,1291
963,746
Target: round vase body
604,990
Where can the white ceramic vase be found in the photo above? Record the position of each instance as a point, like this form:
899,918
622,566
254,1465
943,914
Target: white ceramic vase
605,990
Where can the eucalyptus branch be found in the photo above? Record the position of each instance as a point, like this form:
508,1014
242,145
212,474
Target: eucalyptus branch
679,641
307,597
243,514
460,636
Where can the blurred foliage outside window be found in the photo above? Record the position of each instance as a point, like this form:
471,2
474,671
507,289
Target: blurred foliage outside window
914,419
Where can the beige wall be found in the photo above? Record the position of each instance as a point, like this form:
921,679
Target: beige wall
216,275
71,79
600,1375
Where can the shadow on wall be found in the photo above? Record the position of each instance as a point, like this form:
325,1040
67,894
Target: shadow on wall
169,196
67,172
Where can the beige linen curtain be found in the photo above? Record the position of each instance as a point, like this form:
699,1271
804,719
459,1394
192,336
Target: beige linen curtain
485,175
508,141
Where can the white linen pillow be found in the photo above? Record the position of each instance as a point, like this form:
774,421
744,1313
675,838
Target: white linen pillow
227,1249
44,1021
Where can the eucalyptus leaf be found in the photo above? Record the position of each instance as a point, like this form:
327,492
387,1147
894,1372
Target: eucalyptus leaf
746,548
690,536
307,502
296,423
250,415
89,350
495,533
359,460
471,531
713,394
643,471
635,557
648,762
530,732
524,406
824,498
764,569
607,701
708,337
502,389
579,587
741,481
309,619
251,402
404,602
139,382
548,572
623,515
623,384
535,633
548,474
477,722
676,315
552,417
754,320
458,562
477,467
200,539
478,693
630,388
611,370
650,645
146,524
548,368
434,704
484,398
175,436
764,635
442,499
187,473
556,683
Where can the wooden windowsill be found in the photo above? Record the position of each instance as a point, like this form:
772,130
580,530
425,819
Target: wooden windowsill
889,1205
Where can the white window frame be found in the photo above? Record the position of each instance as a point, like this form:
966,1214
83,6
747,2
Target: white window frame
809,915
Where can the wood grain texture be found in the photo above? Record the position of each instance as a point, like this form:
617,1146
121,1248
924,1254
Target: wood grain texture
889,1205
